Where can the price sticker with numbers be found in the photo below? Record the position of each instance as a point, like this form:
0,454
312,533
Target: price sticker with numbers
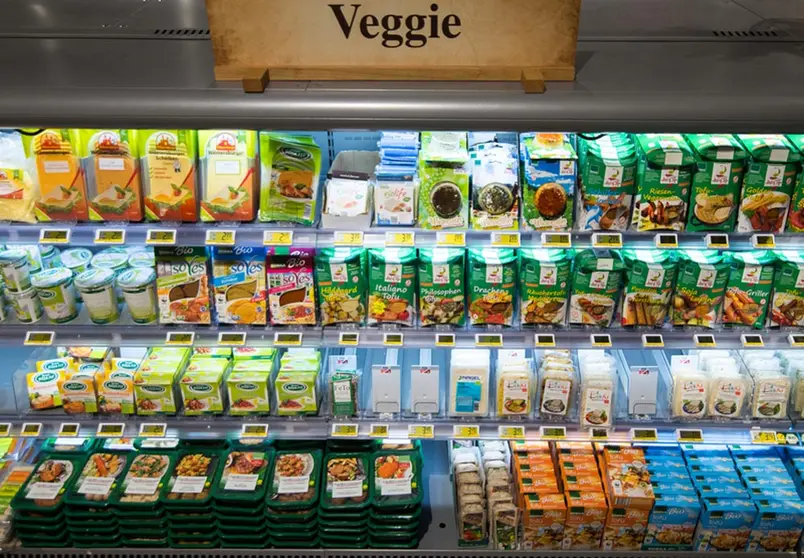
488,340
5,429
666,240
111,430
293,339
505,239
277,238
553,432
763,241
763,437
344,430
717,241
450,239
607,240
349,338
600,340
232,338
556,240
379,431
54,236
400,239
110,236
31,429
796,340
511,432
599,434
689,436
348,238
249,430
466,431
652,341
644,435
752,340
40,338
545,340
69,429
220,237
445,340
180,338
421,431
705,340
393,339
153,430
160,237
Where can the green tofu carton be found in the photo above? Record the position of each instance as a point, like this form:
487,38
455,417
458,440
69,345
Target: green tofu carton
249,387
202,386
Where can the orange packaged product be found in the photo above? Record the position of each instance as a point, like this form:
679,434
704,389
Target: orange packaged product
543,521
168,160
529,446
591,459
625,528
582,481
623,454
574,447
579,466
586,520
538,485
629,485
534,461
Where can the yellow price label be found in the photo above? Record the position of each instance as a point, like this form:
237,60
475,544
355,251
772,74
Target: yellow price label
553,432
348,238
400,239
110,236
796,340
545,340
277,238
110,430
556,240
288,339
450,239
153,430
689,436
181,338
69,429
232,339
5,429
160,237
644,435
348,339
704,340
764,241
379,431
393,339
31,429
763,437
666,240
505,240
600,340
652,341
511,432
445,340
40,338
717,241
752,340
488,340
254,431
342,430
599,434
220,237
421,431
607,240
470,431
54,236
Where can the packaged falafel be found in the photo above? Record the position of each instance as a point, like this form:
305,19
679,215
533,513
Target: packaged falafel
442,290
544,286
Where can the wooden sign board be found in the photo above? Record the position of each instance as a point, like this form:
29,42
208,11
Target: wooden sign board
498,40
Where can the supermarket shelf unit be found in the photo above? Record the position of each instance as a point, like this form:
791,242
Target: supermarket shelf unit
379,553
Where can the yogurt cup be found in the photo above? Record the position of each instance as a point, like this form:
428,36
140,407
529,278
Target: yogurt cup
76,259
34,256
16,270
114,258
27,305
97,289
57,294
51,257
142,259
139,291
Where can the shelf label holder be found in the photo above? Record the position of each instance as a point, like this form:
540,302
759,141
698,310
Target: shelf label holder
488,340
393,339
666,241
40,338
379,431
110,236
600,340
644,435
466,431
403,239
277,238
505,240
717,241
763,241
31,429
751,340
652,341
451,239
599,434
111,430
689,436
220,237
421,431
160,237
180,338
705,340
69,429
607,240
345,430
553,432
767,437
48,235
445,340
232,338
153,430
556,240
506,432
289,339
5,429
253,430
544,340
795,340
348,238
348,338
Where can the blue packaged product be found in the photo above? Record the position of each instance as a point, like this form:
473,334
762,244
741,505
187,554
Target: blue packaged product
768,480
712,468
549,167
754,450
697,459
725,524
777,527
757,459
665,462
659,449
674,487
672,522
773,493
669,475
722,491
705,449
715,477
749,468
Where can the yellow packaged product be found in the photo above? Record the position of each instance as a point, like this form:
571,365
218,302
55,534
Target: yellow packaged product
154,387
18,189
543,521
168,174
78,390
116,387
43,385
513,393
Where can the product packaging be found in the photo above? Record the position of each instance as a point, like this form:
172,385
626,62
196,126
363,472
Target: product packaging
649,279
544,286
748,290
607,182
495,186
470,375
182,285
492,286
392,286
700,288
168,174
228,174
19,190
597,280
787,304
442,290
111,162
238,281
548,165
443,181
291,288
291,166
342,281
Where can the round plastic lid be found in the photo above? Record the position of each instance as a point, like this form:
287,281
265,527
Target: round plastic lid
94,278
27,293
109,260
12,256
51,277
75,257
136,278
141,259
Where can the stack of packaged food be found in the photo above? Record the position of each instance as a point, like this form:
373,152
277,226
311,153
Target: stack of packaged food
598,388
587,506
343,517
249,385
296,383
470,497
539,496
515,384
293,492
202,386
772,385
557,385
630,494
396,502
156,378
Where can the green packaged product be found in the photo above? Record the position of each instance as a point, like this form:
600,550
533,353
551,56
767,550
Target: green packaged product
649,279
344,388
242,477
97,480
700,287
295,479
768,183
52,478
442,292
492,286
549,171
596,285
190,481
716,181
385,543
143,481
341,277
346,481
443,181
192,543
397,479
787,306
663,183
280,535
289,515
748,290
392,286
495,183
795,220
607,182
544,286
291,166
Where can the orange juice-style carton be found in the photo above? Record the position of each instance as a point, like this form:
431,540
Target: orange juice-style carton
62,189
543,520
110,159
625,528
228,174
168,160
586,520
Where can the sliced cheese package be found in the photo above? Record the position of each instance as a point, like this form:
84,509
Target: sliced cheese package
470,374
598,388
515,384
772,385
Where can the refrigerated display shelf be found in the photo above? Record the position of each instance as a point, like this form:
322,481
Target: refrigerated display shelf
259,234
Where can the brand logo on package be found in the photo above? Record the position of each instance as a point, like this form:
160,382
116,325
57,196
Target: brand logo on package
720,173
338,272
200,388
613,177
494,274
108,141
115,386
547,275
247,387
751,274
294,388
74,386
45,377
396,30
293,153
706,278
440,274
226,142
154,389
669,176
655,278
393,273
598,280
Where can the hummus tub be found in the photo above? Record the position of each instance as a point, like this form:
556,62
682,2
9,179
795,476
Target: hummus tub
544,286
716,181
139,291
749,288
548,166
98,293
57,293
392,286
341,281
26,305
700,288
650,275
492,286
442,292
607,182
595,288
76,260
15,270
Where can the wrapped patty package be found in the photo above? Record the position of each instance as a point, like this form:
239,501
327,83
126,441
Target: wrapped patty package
607,182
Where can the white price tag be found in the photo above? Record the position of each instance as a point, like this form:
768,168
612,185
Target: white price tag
43,490
96,485
189,485
246,483
395,487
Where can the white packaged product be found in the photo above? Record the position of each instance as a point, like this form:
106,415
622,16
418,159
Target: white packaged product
556,383
772,386
514,384
470,371
690,393
598,386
